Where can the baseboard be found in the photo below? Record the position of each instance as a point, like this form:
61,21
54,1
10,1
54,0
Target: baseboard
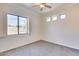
60,44
20,46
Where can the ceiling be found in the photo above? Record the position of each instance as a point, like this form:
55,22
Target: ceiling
37,9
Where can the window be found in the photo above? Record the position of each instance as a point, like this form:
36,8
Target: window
16,25
54,18
12,25
48,19
22,25
63,16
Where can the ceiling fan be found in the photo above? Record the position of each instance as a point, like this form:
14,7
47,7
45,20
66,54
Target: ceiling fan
42,6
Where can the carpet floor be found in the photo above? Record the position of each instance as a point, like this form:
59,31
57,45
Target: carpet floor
42,48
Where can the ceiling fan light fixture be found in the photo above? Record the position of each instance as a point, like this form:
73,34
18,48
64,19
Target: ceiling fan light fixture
42,6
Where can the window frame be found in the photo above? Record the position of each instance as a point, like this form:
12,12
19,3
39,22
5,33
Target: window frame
18,33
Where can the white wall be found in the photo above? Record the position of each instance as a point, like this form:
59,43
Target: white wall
10,42
64,32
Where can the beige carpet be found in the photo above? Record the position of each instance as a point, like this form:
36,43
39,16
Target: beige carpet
42,48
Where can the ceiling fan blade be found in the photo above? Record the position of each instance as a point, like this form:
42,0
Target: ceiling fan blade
47,6
36,4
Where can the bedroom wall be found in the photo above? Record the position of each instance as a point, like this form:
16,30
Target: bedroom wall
64,32
10,42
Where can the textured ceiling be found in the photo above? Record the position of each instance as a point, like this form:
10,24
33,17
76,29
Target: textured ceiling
37,9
